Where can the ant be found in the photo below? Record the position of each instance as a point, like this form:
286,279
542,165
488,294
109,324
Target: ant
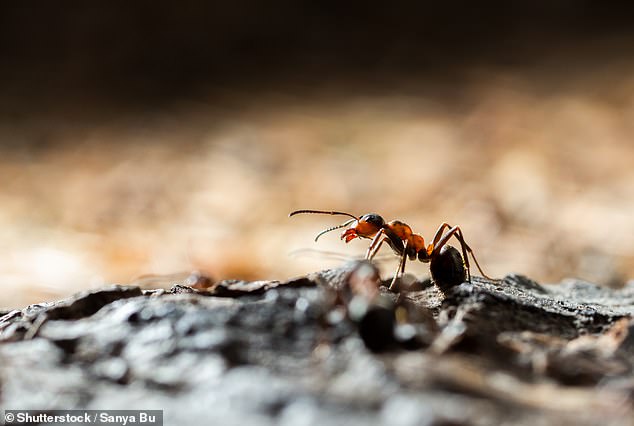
448,268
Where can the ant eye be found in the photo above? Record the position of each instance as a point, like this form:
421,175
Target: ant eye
373,219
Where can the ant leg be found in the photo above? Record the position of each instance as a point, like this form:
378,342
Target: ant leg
439,232
385,235
376,241
401,267
460,237
437,235
376,249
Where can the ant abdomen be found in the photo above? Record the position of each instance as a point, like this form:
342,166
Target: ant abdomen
448,268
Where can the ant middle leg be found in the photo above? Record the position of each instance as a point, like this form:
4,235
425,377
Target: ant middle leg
401,267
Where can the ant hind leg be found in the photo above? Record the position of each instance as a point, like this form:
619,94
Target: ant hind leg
460,237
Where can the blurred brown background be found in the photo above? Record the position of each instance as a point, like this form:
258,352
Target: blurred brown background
158,137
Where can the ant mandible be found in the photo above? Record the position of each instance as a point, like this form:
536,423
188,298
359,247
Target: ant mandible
448,268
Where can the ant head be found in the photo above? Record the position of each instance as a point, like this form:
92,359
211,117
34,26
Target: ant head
365,227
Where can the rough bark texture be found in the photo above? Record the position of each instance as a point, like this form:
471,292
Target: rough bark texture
331,348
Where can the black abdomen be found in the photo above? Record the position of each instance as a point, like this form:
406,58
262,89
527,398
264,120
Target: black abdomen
447,268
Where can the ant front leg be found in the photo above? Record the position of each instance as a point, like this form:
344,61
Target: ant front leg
385,236
375,245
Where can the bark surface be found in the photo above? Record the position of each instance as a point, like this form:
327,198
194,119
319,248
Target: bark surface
334,347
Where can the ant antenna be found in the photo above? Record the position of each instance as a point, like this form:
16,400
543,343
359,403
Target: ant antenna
322,212
327,212
343,225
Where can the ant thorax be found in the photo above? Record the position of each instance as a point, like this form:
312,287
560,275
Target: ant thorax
401,229
417,242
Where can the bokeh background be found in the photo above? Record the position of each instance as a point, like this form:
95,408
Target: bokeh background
149,138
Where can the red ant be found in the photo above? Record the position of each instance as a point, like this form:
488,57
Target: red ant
448,268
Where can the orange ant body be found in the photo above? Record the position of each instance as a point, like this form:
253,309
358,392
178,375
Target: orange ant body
448,268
